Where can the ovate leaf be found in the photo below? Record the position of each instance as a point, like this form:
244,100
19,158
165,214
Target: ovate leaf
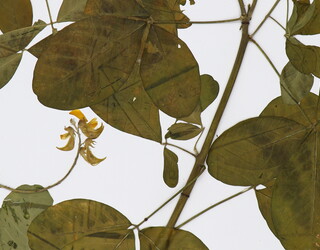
305,19
17,212
170,169
72,10
183,131
253,151
87,62
209,91
304,58
170,74
131,110
16,40
155,238
294,84
39,47
194,117
15,14
80,224
8,66
264,197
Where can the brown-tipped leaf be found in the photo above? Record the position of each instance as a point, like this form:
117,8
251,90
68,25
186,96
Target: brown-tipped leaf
294,84
155,238
17,212
170,168
77,223
183,131
15,14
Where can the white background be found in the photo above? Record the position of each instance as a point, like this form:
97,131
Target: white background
130,179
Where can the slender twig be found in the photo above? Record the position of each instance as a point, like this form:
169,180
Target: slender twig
242,7
287,15
277,22
199,137
50,16
265,55
195,22
266,17
178,147
40,190
170,199
201,157
213,206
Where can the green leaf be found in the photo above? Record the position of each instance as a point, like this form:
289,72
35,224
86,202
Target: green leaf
170,169
15,14
122,8
155,238
209,91
87,62
194,117
80,224
183,131
17,212
294,84
72,10
304,58
253,151
264,197
131,110
170,73
305,19
16,40
8,66
39,47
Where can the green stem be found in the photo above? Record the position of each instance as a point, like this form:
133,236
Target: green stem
180,148
265,55
266,17
54,184
50,17
200,159
276,21
213,206
170,199
287,15
195,22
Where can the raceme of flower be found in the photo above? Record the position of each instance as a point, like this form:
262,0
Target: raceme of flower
89,130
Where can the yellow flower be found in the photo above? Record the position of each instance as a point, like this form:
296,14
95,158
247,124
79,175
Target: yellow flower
88,155
71,135
88,128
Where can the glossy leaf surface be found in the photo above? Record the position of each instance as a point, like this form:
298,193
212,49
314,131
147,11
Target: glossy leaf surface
253,151
16,214
304,58
183,131
294,84
162,238
131,110
16,40
75,224
170,168
15,14
209,91
72,10
8,66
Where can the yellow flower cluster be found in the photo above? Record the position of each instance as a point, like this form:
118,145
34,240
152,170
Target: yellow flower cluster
89,130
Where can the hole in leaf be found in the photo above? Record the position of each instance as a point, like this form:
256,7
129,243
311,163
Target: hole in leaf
260,187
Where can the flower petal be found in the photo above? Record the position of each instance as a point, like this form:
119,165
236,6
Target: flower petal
77,113
70,145
89,131
92,159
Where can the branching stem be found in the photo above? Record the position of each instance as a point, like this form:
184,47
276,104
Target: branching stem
50,17
201,157
214,205
54,184
276,21
266,17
